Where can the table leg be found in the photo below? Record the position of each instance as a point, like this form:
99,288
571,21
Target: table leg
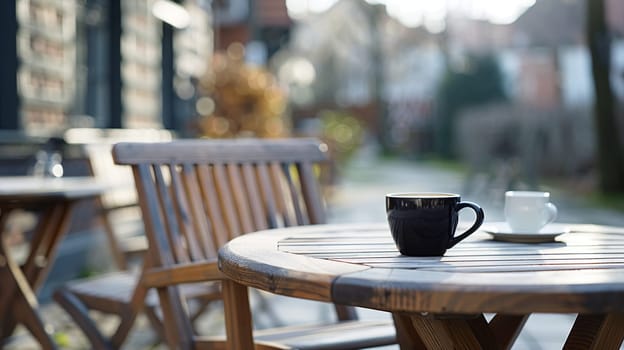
604,331
416,331
21,303
7,290
25,311
238,326
407,337
54,223
42,229
19,295
506,328
453,332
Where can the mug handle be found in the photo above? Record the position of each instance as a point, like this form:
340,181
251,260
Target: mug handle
551,213
479,220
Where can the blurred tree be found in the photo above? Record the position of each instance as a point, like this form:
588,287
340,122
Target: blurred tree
342,131
239,100
610,150
473,81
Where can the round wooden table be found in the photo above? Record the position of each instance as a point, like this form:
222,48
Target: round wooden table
440,302
54,199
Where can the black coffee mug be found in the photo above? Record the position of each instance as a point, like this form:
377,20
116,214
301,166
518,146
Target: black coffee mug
423,224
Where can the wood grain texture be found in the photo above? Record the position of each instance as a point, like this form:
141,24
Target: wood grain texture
454,333
506,328
407,336
190,273
212,209
596,331
237,316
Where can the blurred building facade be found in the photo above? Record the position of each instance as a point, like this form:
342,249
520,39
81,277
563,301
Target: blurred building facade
363,57
265,24
100,63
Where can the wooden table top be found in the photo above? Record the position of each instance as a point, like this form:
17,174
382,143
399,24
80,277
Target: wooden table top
25,188
581,272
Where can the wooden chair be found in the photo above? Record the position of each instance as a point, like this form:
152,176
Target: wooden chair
196,195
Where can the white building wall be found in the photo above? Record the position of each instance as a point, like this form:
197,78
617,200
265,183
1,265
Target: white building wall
576,76
617,69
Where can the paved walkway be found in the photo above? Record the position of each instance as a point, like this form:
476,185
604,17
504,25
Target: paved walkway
359,197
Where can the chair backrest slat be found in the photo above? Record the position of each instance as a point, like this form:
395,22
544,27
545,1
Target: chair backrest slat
256,201
294,192
190,249
282,195
311,194
228,208
213,213
241,198
268,195
204,224
169,212
198,220
153,217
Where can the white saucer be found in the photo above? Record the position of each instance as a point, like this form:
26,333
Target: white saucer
500,231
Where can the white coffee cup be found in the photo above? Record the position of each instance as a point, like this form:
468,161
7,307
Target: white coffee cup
528,211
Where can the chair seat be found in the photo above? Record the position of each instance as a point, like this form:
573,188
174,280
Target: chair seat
340,335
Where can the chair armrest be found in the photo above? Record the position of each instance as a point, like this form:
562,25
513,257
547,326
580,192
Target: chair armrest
182,273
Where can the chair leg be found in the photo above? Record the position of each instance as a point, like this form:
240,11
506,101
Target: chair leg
156,323
199,309
79,313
